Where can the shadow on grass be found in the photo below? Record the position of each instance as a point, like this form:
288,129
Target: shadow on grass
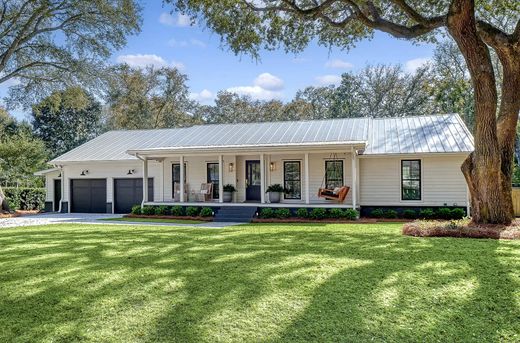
283,282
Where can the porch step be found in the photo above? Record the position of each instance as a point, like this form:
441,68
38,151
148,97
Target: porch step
235,214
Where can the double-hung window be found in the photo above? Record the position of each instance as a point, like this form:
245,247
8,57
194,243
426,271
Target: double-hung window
411,179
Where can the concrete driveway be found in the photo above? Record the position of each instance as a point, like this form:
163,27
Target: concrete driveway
89,218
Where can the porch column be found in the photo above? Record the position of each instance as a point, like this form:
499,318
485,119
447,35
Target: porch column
354,178
182,177
220,178
307,194
145,181
262,179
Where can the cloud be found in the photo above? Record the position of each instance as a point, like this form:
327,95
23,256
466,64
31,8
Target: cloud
205,96
327,80
268,81
180,20
338,64
299,60
198,43
184,43
144,60
411,66
265,86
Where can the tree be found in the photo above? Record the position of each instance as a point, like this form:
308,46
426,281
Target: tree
148,98
49,44
475,25
66,119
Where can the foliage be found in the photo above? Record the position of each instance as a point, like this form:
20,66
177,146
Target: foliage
136,209
48,45
206,212
162,210
275,188
350,214
457,213
282,213
426,213
443,213
390,214
302,212
409,214
25,198
266,213
229,188
335,213
192,211
66,119
377,213
177,211
148,210
148,98
318,213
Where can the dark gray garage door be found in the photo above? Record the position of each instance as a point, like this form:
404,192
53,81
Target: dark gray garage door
89,195
129,192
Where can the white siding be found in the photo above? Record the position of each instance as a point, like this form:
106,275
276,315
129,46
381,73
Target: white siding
49,185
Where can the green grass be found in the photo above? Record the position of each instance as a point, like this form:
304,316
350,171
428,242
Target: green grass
252,283
156,220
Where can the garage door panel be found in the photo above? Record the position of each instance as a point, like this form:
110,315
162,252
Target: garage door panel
129,192
88,195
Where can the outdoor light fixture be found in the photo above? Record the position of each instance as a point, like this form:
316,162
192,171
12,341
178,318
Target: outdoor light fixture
272,166
84,172
231,167
130,172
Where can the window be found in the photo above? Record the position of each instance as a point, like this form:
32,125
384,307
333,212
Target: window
176,175
292,180
213,177
411,180
333,174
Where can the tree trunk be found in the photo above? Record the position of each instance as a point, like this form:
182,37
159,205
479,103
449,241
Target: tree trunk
490,202
4,206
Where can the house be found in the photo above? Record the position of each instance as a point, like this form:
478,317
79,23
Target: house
389,162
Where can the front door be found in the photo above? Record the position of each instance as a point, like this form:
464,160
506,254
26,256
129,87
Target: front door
57,194
253,181
213,177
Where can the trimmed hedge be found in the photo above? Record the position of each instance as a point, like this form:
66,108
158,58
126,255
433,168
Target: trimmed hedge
177,211
445,213
25,198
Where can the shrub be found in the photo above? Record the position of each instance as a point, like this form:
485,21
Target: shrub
282,213
336,213
136,209
443,213
266,213
427,213
350,214
176,211
206,212
302,213
276,188
25,198
192,211
390,214
377,213
410,214
148,210
318,213
458,213
162,210
229,188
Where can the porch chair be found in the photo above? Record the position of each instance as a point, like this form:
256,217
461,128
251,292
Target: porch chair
177,192
206,192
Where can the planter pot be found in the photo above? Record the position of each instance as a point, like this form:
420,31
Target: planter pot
274,197
228,196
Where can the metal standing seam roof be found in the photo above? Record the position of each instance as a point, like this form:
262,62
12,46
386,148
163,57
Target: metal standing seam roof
424,134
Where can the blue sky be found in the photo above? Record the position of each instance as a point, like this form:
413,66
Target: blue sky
167,39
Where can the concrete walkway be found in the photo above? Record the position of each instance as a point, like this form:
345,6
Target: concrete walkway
91,218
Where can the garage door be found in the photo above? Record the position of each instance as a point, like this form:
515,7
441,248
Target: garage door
129,192
89,196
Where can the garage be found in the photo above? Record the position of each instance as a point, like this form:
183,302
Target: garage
129,192
88,196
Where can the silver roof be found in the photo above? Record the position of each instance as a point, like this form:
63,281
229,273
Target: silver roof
425,134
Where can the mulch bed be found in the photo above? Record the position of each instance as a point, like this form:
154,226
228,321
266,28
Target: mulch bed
329,220
19,214
205,219
468,230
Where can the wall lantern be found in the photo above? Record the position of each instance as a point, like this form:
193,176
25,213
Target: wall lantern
84,172
272,166
231,167
130,172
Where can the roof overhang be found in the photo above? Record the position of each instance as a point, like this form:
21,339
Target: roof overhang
46,171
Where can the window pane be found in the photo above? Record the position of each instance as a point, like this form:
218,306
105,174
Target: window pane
411,179
292,180
333,174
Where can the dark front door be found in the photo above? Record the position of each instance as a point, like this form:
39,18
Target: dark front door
88,195
253,181
213,178
129,192
57,195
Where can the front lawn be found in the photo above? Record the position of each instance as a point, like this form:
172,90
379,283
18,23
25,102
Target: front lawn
276,283
155,220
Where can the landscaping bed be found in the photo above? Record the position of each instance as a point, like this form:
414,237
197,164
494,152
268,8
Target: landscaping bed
461,229
329,220
19,213
194,218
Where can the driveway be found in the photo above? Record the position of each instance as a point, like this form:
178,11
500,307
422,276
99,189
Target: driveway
89,218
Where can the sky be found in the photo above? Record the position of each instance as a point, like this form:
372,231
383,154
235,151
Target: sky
167,39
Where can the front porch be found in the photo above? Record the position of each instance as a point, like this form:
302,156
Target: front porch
252,204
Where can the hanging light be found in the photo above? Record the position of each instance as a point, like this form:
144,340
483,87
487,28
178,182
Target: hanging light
272,166
231,167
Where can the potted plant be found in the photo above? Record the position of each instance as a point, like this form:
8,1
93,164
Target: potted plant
274,192
228,192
